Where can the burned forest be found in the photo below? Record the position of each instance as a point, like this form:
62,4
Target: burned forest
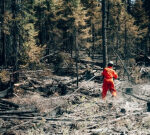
74,67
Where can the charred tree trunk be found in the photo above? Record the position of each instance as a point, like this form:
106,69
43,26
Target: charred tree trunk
71,47
126,49
108,12
93,40
104,40
15,34
125,45
108,36
129,6
48,34
2,34
117,34
77,54
148,41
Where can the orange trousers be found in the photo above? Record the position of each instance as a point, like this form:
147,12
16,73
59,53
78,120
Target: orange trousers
108,84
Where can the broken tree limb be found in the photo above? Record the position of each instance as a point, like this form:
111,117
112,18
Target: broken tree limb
28,78
137,97
5,108
27,122
45,118
125,68
75,80
91,62
49,55
17,112
3,105
16,126
81,85
9,103
38,118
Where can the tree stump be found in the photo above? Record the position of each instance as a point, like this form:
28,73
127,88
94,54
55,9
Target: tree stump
148,106
129,90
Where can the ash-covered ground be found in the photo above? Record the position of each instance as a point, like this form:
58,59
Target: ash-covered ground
78,111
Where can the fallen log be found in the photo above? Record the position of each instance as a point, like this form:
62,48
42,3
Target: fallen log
17,112
75,80
91,62
44,118
35,118
14,127
11,104
5,107
137,97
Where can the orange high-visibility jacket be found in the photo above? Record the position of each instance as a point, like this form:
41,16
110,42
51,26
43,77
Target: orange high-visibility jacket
109,73
108,83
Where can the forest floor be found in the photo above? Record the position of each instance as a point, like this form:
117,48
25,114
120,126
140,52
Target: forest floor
76,111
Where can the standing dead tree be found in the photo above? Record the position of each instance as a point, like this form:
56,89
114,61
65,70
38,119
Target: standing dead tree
104,40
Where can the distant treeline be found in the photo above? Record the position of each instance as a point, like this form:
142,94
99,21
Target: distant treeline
32,29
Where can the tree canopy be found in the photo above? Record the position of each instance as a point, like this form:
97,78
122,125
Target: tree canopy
32,29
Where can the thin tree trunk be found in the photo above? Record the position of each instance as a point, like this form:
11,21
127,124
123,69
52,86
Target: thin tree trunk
125,45
117,47
104,40
2,5
108,13
15,41
71,47
93,41
126,48
77,55
117,34
146,47
48,33
129,6
109,38
148,42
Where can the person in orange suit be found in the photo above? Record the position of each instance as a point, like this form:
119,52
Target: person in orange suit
108,83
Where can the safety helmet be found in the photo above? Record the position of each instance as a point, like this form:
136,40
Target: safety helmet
111,62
